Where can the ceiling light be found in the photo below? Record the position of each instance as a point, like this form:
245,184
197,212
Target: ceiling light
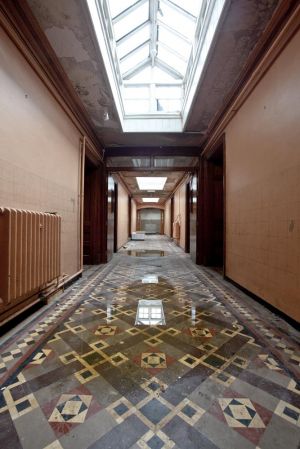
150,200
151,182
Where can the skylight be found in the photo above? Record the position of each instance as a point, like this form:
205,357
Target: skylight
150,200
156,51
151,182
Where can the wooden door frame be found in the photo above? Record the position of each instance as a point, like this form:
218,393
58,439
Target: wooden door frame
129,215
203,227
116,217
172,216
187,216
97,212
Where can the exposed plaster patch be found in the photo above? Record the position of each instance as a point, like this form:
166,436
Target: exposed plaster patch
66,44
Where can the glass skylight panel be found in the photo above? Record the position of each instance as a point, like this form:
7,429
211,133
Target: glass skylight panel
168,92
168,105
180,22
137,106
132,20
174,41
144,76
154,51
132,42
134,58
161,76
171,59
136,92
117,6
150,200
192,6
151,182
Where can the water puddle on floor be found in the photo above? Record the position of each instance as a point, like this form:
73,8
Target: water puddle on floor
146,253
150,312
150,279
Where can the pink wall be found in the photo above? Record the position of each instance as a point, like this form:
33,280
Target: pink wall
122,215
167,230
39,150
179,210
133,215
263,187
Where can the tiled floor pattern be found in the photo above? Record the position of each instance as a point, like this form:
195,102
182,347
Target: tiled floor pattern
222,373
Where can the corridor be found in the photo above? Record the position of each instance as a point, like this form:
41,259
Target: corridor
150,351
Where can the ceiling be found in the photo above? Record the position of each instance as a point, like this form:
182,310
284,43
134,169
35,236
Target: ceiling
173,180
174,168
68,27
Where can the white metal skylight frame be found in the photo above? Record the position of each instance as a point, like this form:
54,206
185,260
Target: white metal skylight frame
125,59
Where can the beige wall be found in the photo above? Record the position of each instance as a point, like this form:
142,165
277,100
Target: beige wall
167,230
133,215
39,150
122,215
263,187
179,210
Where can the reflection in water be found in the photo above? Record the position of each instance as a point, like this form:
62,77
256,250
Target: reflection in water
108,312
150,313
146,253
150,279
193,315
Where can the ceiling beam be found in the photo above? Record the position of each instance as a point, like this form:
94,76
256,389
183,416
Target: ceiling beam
131,52
180,10
174,52
132,33
153,32
150,169
127,11
152,151
175,32
136,69
167,68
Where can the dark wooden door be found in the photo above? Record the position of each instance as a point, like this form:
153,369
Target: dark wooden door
110,216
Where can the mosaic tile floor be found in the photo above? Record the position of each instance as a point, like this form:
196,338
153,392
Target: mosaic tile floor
222,372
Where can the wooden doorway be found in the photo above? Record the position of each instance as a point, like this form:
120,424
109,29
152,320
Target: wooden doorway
212,209
94,217
110,216
172,215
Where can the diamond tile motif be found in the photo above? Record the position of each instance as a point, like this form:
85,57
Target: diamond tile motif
190,412
270,362
154,360
11,355
240,412
155,440
120,410
20,406
40,357
152,381
288,412
154,411
189,360
196,332
71,408
106,331
153,341
25,342
118,359
86,375
69,357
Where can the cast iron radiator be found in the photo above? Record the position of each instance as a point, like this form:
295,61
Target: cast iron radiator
29,257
